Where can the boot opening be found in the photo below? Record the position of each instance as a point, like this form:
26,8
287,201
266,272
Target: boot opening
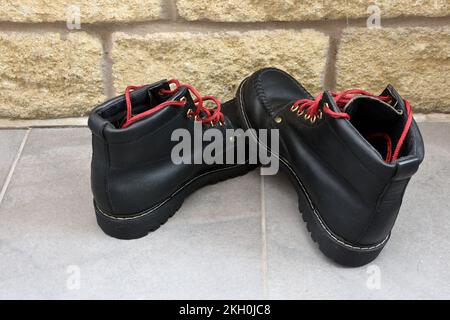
380,123
141,99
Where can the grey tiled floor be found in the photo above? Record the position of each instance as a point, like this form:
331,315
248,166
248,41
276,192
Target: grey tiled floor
243,238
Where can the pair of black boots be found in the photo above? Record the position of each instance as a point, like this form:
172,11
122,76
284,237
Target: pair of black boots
350,156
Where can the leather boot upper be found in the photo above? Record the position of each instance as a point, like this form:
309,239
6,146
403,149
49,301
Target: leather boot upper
345,173
132,168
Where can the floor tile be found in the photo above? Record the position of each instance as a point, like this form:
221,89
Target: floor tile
51,246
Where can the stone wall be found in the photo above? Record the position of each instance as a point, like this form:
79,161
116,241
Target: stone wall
59,59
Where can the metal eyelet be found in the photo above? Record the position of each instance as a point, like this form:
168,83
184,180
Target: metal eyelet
278,119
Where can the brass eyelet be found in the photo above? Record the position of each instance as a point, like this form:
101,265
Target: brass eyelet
278,119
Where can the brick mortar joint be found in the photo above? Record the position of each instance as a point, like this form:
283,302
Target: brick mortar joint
175,19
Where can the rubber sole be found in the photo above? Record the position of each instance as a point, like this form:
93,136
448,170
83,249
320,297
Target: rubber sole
140,225
334,247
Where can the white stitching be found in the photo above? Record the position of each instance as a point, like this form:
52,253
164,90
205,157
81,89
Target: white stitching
149,211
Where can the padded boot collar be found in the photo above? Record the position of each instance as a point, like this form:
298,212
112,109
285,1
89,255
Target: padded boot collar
102,118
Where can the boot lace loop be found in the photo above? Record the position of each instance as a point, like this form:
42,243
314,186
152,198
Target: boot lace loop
201,113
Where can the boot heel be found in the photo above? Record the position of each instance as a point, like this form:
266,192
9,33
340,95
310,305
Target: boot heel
334,248
139,226
343,255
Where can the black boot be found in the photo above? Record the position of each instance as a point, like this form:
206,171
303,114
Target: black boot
135,182
350,157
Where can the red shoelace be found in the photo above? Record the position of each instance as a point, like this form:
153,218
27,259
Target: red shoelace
201,113
311,109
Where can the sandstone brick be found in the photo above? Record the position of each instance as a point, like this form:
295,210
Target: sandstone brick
46,76
304,10
216,63
415,60
91,11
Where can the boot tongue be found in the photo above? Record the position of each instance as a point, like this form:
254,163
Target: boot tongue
373,109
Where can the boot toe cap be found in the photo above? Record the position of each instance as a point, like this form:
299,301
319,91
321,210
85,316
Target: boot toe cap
267,91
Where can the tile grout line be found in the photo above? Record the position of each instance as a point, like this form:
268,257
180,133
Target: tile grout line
264,239
14,165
